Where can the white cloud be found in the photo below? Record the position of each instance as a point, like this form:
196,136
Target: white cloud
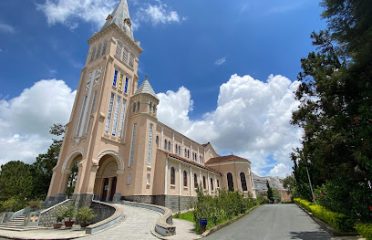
25,119
70,12
157,14
67,12
6,28
220,61
251,119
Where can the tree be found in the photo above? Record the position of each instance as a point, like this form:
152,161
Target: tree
270,194
290,183
16,180
336,110
42,168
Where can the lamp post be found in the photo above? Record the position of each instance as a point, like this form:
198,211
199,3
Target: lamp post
308,176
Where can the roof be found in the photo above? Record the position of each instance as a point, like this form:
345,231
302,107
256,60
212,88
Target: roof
228,158
146,88
188,161
119,16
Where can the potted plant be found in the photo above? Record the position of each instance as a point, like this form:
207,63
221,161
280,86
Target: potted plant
69,214
85,216
60,215
203,222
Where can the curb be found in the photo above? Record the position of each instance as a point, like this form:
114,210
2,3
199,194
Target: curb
218,227
333,232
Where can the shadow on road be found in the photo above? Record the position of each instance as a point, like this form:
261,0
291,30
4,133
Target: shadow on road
310,235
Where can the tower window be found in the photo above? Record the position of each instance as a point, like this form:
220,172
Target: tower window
138,106
126,85
109,113
115,78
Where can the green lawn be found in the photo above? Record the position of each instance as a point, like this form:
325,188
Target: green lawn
188,216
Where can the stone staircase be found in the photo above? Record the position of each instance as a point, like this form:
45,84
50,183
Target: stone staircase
17,224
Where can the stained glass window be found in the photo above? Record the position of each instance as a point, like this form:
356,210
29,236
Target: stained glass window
115,78
109,112
126,85
116,116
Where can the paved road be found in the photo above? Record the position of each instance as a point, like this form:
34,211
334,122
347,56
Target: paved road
273,222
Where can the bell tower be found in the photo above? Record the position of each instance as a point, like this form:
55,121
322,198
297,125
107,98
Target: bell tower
96,135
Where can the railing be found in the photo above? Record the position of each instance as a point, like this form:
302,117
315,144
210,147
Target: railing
43,214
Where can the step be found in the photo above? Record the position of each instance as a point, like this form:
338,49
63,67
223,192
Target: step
18,229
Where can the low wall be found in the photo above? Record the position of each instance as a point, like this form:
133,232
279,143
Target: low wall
48,216
164,225
5,216
174,202
102,211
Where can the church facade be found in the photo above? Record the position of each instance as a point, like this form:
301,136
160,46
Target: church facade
116,149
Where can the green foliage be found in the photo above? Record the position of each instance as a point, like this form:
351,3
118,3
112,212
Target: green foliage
188,216
223,207
13,204
35,204
69,212
16,180
335,111
60,214
85,216
42,168
364,229
338,221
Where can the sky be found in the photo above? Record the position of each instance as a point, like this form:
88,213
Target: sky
225,71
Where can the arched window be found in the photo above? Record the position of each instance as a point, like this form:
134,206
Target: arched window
172,176
157,140
230,182
242,180
184,178
204,183
169,146
138,106
218,183
195,180
134,107
212,186
165,144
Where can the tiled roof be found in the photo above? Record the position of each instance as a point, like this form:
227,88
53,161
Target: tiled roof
229,158
146,88
188,161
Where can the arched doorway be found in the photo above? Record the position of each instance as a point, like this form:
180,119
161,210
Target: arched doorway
106,179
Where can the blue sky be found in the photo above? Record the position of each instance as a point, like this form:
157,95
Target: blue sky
196,44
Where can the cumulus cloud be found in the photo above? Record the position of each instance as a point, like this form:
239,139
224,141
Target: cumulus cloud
158,13
70,12
251,119
25,119
67,12
220,61
6,28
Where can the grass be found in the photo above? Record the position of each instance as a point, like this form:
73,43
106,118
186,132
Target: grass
188,216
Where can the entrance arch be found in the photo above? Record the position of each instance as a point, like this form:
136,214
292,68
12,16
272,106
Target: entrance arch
106,179
71,171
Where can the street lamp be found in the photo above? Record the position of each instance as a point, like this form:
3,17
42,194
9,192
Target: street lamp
308,176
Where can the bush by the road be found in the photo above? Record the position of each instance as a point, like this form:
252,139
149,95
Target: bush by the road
338,221
364,229
221,208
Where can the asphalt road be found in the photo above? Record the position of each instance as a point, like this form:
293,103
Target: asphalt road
272,222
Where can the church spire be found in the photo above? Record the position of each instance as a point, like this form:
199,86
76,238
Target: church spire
120,17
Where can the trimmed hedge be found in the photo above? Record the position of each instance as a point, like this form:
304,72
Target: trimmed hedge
338,221
364,229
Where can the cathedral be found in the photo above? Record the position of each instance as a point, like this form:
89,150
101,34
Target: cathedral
116,149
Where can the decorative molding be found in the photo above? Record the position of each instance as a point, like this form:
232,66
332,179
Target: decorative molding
115,155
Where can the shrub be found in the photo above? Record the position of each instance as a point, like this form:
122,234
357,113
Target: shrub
69,212
13,204
85,216
34,204
364,229
337,220
60,213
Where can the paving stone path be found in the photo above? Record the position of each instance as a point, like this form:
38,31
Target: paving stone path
137,225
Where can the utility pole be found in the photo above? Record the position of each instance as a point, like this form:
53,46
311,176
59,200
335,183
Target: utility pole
308,176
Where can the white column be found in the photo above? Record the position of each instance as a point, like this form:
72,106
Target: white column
209,185
191,187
